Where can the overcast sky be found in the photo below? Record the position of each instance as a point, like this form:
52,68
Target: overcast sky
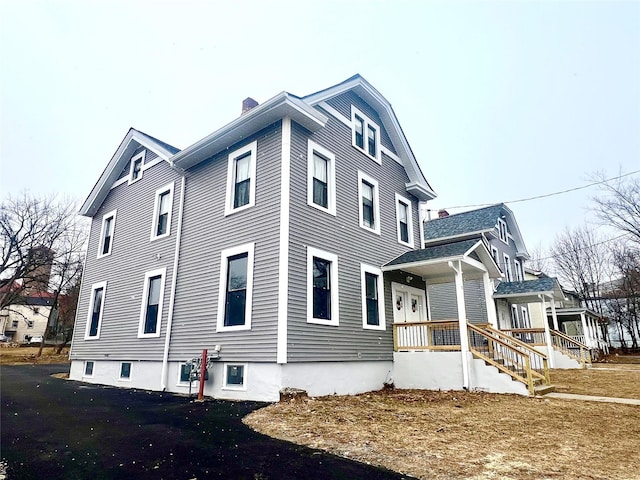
499,100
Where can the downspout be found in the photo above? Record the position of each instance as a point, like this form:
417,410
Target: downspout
174,279
462,322
547,332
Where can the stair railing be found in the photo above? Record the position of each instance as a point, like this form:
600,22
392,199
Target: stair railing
509,355
571,347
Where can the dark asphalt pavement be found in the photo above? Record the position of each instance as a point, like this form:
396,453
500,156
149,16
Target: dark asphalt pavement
57,429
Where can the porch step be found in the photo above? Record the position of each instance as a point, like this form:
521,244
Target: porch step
543,389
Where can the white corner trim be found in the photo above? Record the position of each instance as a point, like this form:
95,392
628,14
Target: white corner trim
376,202
380,291
145,299
249,249
283,258
333,285
252,149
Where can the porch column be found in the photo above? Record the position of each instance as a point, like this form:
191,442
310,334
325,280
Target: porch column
553,315
547,333
462,322
492,317
585,332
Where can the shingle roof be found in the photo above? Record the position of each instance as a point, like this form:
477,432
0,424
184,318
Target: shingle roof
435,252
528,286
461,223
170,148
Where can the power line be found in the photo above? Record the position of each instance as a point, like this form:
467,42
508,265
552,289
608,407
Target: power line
587,246
546,194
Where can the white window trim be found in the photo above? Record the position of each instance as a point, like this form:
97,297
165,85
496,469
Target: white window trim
380,284
237,388
507,267
502,225
156,207
409,204
252,148
525,316
95,287
331,177
518,270
335,298
181,383
514,316
495,258
125,379
367,122
142,155
145,298
249,249
84,369
376,202
105,217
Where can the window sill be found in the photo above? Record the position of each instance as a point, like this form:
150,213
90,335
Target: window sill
329,323
378,160
235,328
159,237
368,229
380,328
230,211
330,211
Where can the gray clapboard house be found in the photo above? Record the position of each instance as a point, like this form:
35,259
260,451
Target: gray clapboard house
264,241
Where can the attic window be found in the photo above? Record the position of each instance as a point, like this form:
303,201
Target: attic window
365,134
135,169
502,230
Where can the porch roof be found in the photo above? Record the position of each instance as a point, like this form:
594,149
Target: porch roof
528,291
433,263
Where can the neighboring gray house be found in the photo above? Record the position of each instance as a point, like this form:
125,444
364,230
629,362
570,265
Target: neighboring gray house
264,240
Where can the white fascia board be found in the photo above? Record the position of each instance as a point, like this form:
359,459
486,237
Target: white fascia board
452,237
424,263
523,294
113,168
366,91
274,109
521,249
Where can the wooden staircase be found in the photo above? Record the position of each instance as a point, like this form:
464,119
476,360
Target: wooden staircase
511,356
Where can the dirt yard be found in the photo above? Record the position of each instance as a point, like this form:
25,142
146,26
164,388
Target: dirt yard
481,436
27,355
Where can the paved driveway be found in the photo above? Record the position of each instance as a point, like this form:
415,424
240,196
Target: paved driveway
58,429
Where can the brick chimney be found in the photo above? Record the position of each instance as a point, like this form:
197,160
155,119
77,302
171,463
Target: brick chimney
247,104
442,213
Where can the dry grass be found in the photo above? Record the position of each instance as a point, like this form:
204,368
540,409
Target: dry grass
608,381
27,355
460,435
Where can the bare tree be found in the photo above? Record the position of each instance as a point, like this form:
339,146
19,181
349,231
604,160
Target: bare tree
582,260
622,295
619,204
538,260
41,240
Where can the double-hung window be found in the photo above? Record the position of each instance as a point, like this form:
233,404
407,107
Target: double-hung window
236,287
135,168
322,287
404,219
106,234
507,268
241,179
518,270
494,255
152,300
321,189
369,208
96,307
161,226
372,298
502,231
365,134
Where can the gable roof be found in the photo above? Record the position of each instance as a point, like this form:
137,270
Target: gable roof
530,288
474,223
437,252
417,185
132,140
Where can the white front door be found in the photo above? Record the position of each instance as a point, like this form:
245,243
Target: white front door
409,304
